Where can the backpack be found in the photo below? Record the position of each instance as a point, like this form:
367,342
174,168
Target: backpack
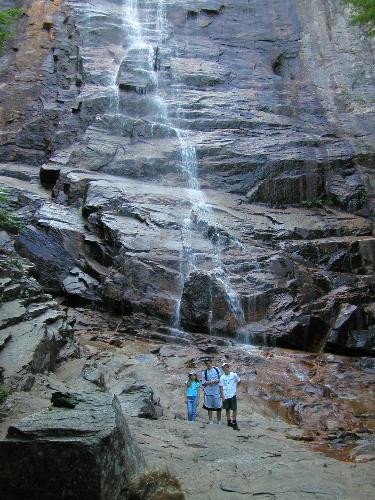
217,371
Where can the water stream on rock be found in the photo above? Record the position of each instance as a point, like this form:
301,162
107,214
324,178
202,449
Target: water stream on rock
147,30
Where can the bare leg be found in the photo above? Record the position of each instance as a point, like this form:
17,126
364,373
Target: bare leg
210,415
235,425
218,415
227,414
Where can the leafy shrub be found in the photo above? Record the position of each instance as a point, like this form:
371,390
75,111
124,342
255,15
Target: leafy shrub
7,16
3,394
312,203
8,220
362,199
363,13
326,201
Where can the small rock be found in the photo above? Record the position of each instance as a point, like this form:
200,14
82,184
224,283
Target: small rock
300,435
64,400
179,416
116,342
150,410
365,458
236,485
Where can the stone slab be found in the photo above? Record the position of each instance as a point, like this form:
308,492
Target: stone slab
82,453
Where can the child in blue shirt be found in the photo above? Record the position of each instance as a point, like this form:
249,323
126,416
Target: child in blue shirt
192,395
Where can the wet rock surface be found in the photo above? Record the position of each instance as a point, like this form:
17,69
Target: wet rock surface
276,276
285,116
284,162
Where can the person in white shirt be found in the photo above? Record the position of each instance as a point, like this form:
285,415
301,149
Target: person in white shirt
228,384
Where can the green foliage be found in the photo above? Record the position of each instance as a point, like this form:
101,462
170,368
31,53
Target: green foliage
3,394
8,220
326,201
363,13
362,199
312,203
7,16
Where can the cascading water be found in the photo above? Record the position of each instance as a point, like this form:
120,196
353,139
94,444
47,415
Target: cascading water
146,27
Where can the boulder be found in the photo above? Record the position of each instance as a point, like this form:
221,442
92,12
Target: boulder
150,410
49,173
353,331
81,286
209,304
85,452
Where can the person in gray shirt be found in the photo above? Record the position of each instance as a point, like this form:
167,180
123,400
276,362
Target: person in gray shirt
211,389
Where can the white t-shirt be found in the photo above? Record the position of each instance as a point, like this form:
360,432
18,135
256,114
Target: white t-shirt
229,384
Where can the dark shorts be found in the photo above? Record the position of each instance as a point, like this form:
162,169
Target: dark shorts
230,404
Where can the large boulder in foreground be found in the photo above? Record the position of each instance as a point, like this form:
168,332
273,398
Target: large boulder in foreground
85,452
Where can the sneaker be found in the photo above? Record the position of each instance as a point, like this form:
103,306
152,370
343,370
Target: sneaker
230,424
218,422
210,422
235,427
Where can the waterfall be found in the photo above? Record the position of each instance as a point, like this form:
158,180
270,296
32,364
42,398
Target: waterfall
147,31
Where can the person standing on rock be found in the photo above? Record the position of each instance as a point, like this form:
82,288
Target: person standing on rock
228,384
192,395
210,383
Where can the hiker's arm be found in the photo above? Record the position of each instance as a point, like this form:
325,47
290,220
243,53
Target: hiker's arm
222,393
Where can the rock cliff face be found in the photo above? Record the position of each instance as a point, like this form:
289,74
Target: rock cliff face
211,163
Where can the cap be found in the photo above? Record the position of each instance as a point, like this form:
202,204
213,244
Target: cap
192,372
224,364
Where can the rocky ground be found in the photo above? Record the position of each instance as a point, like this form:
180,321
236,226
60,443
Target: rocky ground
329,454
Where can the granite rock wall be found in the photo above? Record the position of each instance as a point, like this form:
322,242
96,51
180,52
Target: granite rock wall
277,98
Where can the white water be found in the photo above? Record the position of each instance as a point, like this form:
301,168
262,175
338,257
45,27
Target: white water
147,30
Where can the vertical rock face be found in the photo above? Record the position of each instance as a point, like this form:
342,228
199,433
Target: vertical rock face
270,101
86,452
33,327
30,104
257,82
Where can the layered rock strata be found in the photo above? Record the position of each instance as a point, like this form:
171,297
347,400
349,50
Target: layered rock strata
284,144
35,332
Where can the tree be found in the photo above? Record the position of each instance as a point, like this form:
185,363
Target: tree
363,13
7,16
